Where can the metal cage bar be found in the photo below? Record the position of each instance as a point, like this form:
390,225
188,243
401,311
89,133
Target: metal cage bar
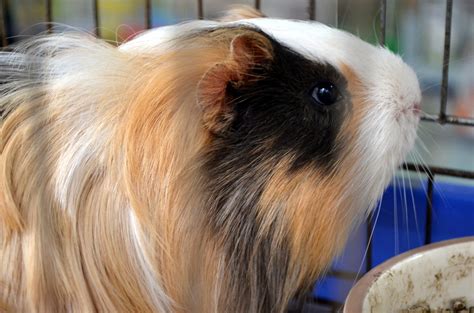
148,13
447,48
334,305
442,117
200,9
450,119
49,16
312,10
383,21
429,208
95,12
431,171
3,24
258,4
368,234
435,170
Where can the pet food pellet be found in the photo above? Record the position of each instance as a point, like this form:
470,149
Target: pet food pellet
458,305
419,308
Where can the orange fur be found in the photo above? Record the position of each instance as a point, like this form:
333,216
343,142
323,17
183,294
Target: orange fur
102,192
77,250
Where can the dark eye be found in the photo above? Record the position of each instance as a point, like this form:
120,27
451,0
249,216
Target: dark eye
325,93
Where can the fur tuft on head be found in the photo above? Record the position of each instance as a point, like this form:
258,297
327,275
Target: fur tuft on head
241,12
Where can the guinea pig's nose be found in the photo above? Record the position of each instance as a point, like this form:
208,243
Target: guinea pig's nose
416,108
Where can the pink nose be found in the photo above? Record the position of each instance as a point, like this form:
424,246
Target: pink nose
417,108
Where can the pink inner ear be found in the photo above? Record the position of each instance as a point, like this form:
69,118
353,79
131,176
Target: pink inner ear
211,98
246,51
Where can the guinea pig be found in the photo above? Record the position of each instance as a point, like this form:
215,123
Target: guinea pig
210,166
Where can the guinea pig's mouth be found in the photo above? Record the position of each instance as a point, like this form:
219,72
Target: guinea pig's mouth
410,112
416,108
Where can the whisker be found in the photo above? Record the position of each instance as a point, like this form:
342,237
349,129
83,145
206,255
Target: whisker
429,87
374,20
405,207
429,179
417,228
435,186
422,145
429,116
398,37
348,5
368,241
395,216
418,172
426,132
423,164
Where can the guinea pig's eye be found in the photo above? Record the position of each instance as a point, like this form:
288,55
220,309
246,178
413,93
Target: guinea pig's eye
325,93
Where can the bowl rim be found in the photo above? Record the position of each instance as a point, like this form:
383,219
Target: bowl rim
356,296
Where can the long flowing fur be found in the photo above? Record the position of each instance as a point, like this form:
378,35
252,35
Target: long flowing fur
99,180
107,198
103,187
60,180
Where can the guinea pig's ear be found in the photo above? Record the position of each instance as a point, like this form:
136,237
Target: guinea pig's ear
240,12
248,51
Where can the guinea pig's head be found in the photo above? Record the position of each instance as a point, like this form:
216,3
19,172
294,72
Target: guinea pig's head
307,99
319,95
301,128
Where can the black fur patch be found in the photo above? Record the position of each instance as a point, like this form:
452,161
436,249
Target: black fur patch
279,109
274,117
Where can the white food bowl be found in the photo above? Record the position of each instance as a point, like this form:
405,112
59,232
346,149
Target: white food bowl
434,274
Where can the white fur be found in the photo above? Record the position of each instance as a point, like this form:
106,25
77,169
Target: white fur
387,134
160,299
392,86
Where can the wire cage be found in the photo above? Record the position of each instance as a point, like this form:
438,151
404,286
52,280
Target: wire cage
312,302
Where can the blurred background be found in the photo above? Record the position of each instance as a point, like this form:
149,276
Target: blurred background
414,29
